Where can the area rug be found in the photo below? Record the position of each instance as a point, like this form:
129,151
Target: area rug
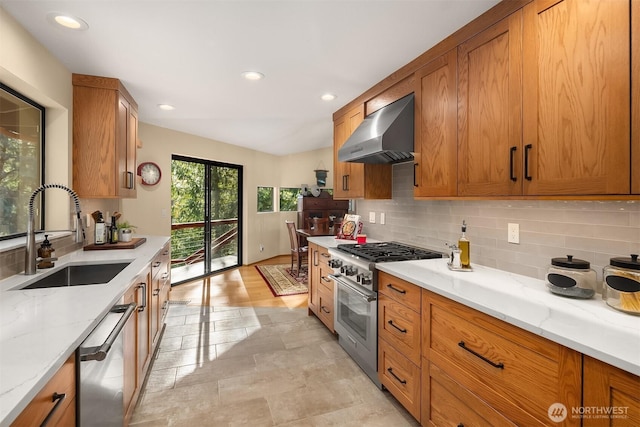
281,281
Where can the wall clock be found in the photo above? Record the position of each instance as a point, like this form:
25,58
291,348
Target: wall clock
149,172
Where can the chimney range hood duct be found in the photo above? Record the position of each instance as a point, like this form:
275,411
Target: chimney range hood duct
385,136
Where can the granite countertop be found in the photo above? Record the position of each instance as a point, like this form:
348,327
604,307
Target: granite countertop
41,328
588,326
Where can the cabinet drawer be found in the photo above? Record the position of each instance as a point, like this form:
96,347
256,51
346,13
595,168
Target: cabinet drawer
161,262
63,382
402,291
499,362
400,327
325,307
323,256
324,280
449,403
338,204
314,203
400,376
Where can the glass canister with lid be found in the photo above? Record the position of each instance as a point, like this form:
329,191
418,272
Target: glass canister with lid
571,277
622,284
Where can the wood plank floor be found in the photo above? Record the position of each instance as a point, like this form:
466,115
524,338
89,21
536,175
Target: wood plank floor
240,287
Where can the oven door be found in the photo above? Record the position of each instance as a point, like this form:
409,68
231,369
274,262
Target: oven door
356,313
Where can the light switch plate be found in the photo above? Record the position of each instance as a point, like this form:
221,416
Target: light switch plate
382,218
513,233
372,217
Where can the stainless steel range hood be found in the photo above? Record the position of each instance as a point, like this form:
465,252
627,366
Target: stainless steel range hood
385,136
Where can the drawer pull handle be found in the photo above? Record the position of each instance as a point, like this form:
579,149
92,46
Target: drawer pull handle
404,331
58,398
495,365
323,308
393,288
401,381
325,255
325,279
460,425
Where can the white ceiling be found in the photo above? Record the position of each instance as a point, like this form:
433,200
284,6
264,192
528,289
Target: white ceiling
190,53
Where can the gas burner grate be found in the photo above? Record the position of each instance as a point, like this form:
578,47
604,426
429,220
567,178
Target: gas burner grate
388,252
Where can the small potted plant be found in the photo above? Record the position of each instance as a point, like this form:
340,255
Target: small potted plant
125,231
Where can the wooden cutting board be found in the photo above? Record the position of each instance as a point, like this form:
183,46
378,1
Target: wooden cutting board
134,243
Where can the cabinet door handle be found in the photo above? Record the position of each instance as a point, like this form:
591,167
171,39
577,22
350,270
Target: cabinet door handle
527,148
415,167
495,365
143,286
128,180
393,288
58,398
401,381
390,322
323,308
511,171
325,279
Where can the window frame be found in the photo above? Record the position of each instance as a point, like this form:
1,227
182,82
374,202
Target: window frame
41,160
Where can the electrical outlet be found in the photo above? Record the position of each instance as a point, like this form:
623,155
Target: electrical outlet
513,233
372,217
382,218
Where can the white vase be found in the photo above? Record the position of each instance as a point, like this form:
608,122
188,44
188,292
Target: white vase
125,235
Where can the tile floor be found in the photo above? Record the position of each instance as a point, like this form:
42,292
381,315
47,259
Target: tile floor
258,366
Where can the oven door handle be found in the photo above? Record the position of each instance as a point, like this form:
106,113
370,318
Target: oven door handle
367,297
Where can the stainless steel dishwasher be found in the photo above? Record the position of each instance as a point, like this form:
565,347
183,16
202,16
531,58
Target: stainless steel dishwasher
102,370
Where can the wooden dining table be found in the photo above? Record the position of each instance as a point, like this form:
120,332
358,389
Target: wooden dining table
311,232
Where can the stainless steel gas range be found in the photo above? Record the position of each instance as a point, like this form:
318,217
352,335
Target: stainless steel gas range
356,296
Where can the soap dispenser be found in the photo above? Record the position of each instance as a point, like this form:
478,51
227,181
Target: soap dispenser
46,253
463,245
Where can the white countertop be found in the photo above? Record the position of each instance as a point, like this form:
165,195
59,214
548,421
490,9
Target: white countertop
588,326
41,328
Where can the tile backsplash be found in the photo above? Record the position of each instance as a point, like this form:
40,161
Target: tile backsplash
591,230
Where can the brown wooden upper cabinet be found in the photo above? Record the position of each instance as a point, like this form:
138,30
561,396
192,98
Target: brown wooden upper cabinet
357,180
435,146
544,102
576,104
489,111
105,134
635,96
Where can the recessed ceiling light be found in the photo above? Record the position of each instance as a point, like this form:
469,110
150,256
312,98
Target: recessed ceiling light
328,97
166,107
68,21
252,75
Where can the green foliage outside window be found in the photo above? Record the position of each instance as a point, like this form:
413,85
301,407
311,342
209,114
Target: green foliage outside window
265,199
289,199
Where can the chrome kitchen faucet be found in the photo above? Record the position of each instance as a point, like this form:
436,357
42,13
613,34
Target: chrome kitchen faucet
30,251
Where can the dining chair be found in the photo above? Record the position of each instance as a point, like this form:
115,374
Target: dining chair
299,254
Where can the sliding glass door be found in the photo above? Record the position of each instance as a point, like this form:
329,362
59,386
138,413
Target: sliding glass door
206,210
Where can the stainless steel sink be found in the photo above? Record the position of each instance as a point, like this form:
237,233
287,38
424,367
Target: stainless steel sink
75,275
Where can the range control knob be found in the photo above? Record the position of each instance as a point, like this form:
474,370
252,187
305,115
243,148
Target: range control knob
335,263
348,270
363,278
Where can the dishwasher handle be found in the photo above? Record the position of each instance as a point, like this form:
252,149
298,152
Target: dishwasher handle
99,353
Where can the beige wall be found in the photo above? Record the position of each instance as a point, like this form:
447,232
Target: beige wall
26,66
151,210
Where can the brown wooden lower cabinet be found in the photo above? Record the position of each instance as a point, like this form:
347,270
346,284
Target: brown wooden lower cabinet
611,396
400,376
451,404
517,373
57,399
476,370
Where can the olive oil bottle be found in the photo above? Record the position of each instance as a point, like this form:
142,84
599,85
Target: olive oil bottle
463,244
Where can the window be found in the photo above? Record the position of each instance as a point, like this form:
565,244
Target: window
21,160
289,199
265,199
